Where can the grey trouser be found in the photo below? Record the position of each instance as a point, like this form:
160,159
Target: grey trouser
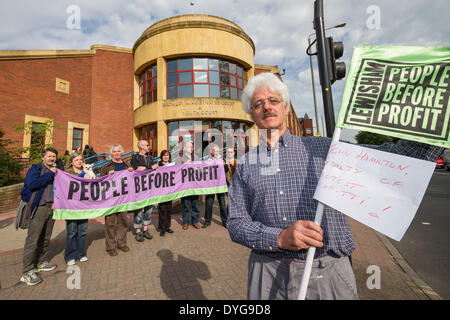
331,279
38,238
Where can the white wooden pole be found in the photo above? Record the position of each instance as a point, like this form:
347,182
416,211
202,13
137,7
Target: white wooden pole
312,250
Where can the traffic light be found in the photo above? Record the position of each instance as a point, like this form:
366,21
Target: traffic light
335,50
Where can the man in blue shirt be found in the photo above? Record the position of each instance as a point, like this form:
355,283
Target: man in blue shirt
272,210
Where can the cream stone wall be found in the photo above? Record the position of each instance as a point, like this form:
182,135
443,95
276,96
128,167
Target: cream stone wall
189,36
193,35
190,108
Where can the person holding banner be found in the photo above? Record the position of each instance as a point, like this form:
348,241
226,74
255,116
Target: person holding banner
189,216
271,205
165,208
209,198
142,217
38,189
116,224
76,229
230,167
230,164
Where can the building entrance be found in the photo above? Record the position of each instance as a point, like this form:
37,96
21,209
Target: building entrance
204,134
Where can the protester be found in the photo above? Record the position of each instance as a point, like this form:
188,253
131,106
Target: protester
59,164
88,152
209,198
272,207
142,217
116,223
165,208
190,216
39,181
230,165
230,168
76,229
93,153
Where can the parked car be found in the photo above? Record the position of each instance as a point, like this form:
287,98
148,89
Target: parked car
443,161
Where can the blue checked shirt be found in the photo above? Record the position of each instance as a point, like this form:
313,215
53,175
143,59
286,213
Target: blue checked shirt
274,187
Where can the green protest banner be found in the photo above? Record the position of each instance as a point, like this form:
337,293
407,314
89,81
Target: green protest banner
401,92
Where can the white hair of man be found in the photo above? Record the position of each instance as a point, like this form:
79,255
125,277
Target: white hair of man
140,143
265,80
114,146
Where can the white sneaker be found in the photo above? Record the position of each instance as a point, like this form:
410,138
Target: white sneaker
71,262
84,259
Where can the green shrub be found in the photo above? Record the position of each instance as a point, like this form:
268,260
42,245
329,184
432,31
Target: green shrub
9,168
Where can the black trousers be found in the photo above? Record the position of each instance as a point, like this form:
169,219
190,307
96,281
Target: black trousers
164,212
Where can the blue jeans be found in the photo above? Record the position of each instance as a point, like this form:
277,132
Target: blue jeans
76,239
143,217
209,207
187,214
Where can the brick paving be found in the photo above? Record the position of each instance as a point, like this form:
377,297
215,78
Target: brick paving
188,264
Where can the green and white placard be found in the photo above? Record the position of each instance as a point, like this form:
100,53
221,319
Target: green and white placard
400,92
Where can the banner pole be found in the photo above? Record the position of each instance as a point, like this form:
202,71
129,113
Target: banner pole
312,250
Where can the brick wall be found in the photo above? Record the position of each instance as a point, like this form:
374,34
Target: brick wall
10,197
27,86
112,101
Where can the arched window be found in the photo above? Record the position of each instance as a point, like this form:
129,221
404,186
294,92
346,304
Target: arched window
148,86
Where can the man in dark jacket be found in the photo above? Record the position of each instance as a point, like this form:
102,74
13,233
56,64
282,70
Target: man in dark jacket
39,179
190,216
87,153
142,217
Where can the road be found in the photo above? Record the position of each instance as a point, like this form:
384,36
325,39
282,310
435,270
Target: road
426,244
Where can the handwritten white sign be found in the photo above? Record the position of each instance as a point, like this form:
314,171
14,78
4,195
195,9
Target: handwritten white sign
379,189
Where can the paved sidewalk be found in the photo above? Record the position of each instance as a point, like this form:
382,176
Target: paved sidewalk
192,264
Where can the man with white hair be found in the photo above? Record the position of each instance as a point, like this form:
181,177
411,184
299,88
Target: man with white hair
142,217
209,198
189,215
116,224
272,210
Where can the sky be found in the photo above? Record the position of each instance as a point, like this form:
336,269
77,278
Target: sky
279,30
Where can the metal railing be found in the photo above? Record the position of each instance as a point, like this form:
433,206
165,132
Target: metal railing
97,157
101,159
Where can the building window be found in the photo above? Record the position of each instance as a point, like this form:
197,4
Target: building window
37,137
149,134
148,86
77,139
204,77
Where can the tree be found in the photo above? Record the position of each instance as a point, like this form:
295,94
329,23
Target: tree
38,132
9,168
364,137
